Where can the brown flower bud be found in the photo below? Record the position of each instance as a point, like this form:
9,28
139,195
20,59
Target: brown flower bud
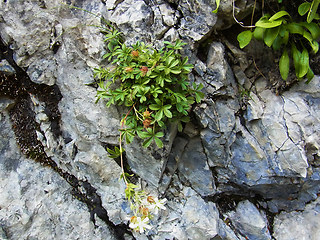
146,123
128,69
133,219
135,53
146,114
144,211
150,199
144,70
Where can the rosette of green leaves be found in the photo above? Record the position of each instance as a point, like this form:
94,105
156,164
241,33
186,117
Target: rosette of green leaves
148,80
279,31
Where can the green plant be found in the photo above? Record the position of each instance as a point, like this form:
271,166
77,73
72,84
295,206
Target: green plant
297,39
153,85
217,6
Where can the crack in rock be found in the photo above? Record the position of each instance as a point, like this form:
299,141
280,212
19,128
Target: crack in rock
20,88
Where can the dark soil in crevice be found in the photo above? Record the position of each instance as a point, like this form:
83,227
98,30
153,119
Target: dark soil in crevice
20,88
21,85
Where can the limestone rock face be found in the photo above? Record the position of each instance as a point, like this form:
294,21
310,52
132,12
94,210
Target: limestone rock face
35,201
298,225
231,170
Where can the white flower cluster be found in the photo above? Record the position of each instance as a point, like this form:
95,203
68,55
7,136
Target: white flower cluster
145,210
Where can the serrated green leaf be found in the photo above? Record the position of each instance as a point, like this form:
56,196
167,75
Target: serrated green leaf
278,15
244,38
159,115
159,134
147,142
154,107
143,135
167,113
284,64
158,142
304,8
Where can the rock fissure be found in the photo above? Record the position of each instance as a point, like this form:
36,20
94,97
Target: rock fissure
20,88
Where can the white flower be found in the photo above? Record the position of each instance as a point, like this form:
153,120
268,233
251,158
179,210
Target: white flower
140,224
158,204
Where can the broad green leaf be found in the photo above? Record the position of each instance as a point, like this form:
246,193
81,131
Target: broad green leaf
278,15
304,8
270,35
310,75
313,10
258,33
304,63
313,29
296,55
314,44
158,142
217,7
295,28
244,38
284,64
277,43
264,23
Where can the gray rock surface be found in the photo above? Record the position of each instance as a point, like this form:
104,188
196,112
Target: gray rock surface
298,225
193,166
269,148
35,201
250,221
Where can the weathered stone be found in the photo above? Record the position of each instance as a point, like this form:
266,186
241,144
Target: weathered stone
250,221
35,201
197,18
5,67
298,225
194,168
270,148
149,163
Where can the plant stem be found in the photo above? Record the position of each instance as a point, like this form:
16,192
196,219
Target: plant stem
120,145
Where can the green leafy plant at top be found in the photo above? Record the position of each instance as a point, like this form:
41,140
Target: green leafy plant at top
152,83
296,39
153,86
